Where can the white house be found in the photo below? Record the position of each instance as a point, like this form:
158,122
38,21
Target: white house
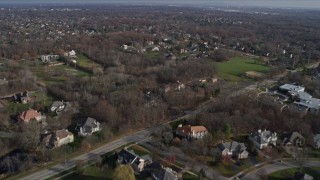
57,106
234,149
48,58
90,126
262,139
59,138
316,141
72,53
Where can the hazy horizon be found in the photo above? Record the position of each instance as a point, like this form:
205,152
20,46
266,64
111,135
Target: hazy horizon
315,4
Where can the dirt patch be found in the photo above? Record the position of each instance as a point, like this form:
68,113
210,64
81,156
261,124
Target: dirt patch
254,74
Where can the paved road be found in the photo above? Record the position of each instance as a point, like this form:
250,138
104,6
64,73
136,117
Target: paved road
277,166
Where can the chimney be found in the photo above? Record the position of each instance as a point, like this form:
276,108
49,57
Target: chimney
259,131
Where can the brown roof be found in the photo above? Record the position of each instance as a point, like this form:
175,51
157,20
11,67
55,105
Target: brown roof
63,133
185,130
29,115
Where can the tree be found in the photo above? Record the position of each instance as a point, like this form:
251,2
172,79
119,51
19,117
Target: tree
227,131
123,172
29,136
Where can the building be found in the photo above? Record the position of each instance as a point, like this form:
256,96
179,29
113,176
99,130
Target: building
88,127
58,106
72,54
303,100
262,139
302,176
164,174
22,97
316,141
291,87
49,58
3,82
192,131
59,138
138,163
30,115
233,149
293,139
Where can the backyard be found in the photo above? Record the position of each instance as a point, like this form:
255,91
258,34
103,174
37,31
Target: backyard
236,67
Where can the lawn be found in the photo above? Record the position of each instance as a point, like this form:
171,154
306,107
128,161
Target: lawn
138,150
187,176
55,74
85,62
235,68
288,173
92,173
17,107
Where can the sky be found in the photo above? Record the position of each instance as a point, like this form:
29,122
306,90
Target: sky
261,3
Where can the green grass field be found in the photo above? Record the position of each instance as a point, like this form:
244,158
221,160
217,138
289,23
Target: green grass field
56,74
289,173
85,62
235,68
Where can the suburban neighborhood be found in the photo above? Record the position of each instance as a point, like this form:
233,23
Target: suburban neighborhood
163,92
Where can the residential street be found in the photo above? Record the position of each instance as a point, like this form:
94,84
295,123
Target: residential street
276,166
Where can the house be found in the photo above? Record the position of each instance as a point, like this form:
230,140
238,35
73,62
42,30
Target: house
48,58
22,97
3,81
233,149
88,127
59,138
72,54
262,139
191,131
316,141
58,106
138,163
302,176
293,139
29,115
164,174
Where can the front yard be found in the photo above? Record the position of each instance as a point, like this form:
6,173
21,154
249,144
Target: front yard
289,173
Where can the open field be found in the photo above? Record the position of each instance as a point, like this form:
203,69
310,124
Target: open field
56,74
289,173
85,62
236,67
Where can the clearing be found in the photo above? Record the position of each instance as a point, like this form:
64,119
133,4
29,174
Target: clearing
236,67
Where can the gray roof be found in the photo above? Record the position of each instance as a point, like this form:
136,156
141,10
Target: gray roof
127,156
90,122
232,146
291,87
165,174
261,137
291,137
57,104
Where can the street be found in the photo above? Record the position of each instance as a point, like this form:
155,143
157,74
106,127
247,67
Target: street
276,166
